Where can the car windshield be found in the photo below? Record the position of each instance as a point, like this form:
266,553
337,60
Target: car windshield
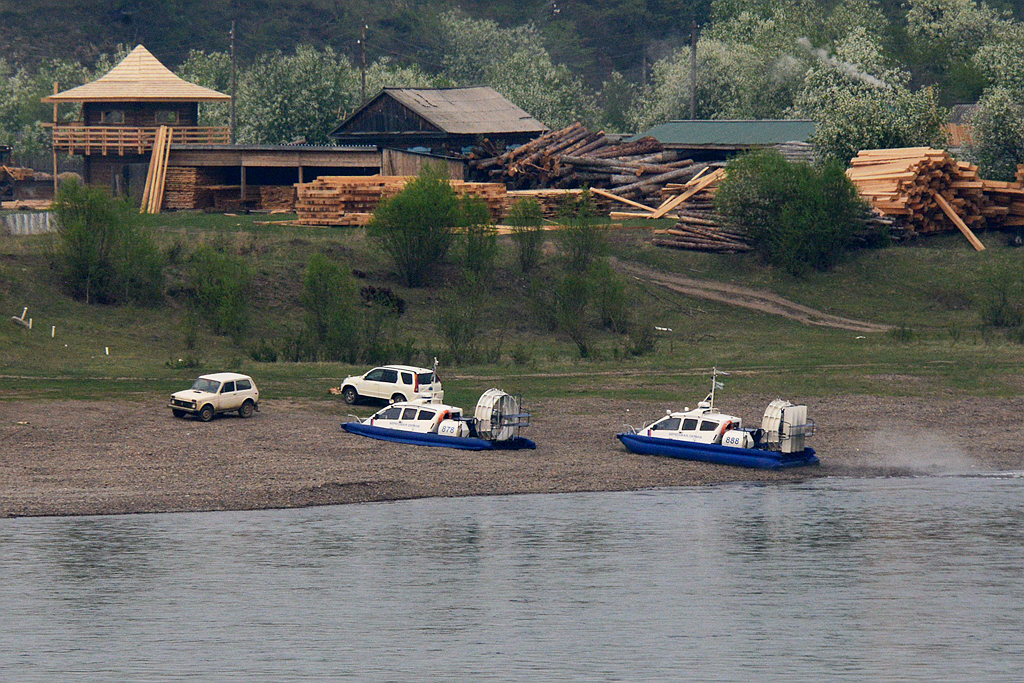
208,385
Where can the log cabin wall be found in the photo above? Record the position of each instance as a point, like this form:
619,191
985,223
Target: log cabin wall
385,115
142,114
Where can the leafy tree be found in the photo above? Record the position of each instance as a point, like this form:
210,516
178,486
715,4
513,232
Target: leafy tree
416,227
514,62
210,70
328,296
861,102
998,145
797,215
526,218
218,290
287,97
479,240
102,255
580,239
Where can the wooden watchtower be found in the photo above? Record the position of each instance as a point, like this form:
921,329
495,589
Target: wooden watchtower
121,113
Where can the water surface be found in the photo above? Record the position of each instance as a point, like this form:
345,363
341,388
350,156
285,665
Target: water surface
917,578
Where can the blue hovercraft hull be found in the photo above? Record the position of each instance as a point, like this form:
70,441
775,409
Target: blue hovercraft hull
722,455
420,439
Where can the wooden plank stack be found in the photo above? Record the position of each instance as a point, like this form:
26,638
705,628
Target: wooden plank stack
551,200
187,188
277,198
351,200
156,176
1005,201
574,157
903,183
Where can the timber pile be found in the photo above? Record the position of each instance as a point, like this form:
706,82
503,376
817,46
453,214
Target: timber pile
551,200
277,198
351,200
186,188
923,188
699,227
574,157
1006,201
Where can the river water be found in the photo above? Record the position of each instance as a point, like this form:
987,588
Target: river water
838,579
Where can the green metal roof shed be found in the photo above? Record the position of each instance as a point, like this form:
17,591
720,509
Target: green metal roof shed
730,134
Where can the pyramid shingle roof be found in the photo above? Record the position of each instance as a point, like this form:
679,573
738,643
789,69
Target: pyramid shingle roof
139,77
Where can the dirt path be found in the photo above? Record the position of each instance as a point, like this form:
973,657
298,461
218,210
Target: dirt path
754,299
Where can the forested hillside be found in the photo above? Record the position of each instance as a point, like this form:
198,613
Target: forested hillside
872,73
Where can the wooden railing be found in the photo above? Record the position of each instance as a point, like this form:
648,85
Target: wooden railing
121,140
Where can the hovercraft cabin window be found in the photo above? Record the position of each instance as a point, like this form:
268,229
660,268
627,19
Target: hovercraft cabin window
689,424
391,413
426,415
409,414
708,426
669,424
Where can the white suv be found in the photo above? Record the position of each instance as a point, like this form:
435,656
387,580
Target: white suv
394,383
217,393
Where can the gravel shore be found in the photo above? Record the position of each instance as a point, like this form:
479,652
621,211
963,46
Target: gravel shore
89,458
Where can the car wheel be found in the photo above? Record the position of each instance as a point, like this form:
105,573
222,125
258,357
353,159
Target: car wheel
246,409
397,398
206,413
177,413
350,395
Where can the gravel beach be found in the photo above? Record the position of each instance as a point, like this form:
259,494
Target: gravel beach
91,458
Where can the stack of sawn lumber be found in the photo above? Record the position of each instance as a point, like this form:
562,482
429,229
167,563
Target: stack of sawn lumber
277,198
551,201
186,188
925,189
1006,201
575,157
351,200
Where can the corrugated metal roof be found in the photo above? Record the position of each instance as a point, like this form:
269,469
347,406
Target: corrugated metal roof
732,133
463,111
139,77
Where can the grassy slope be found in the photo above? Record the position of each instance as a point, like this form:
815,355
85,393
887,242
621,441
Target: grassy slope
934,291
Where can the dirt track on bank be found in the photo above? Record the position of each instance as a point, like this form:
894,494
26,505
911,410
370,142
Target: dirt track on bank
77,457
745,297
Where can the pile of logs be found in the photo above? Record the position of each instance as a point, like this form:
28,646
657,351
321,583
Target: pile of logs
351,200
574,157
698,226
925,189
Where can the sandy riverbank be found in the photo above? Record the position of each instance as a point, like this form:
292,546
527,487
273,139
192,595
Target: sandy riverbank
78,457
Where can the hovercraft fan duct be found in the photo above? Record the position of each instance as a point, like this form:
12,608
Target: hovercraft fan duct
499,416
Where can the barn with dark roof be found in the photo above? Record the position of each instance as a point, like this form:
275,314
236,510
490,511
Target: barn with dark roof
437,120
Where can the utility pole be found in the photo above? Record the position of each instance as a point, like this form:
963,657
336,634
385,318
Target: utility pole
233,74
693,70
362,47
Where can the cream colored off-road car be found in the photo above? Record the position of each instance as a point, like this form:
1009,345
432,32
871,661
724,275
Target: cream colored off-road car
220,392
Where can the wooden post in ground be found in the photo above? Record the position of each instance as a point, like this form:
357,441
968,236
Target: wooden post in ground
52,136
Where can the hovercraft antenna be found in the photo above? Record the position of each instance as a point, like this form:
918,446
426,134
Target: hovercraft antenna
715,384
